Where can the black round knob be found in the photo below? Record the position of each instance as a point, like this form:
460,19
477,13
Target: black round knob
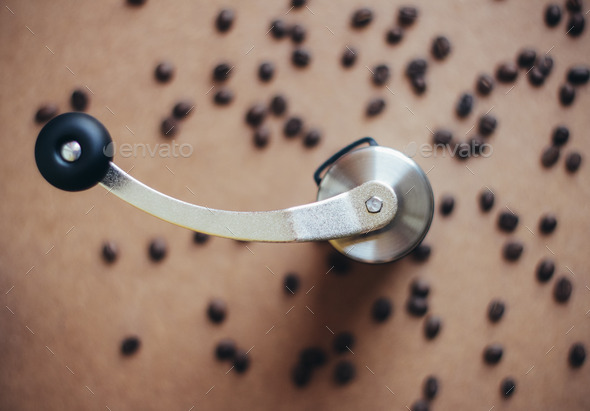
73,151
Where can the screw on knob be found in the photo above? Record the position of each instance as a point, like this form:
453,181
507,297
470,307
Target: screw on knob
374,204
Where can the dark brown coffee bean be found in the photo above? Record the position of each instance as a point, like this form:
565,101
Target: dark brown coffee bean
222,71
577,355
432,326
420,287
130,346
225,20
312,138
561,135
158,249
447,203
442,137
463,150
550,156
536,77
343,342
526,58
420,405
169,127
421,252
217,310
496,310
575,25
301,375
362,17
464,105
507,72
507,387
344,372
394,35
441,47
266,71
574,5
298,34
223,97
567,94
261,137
573,161
492,354
375,106
278,105
182,109
293,127
348,57
200,238
513,250
547,223
225,349
507,221
291,283
312,357
545,270
486,200
339,263
552,15
418,84
416,67
417,306
382,309
407,15
278,29
487,124
301,57
381,74
430,387
241,361
485,84
578,75
136,2
110,251
545,65
563,289
79,100
164,72
298,3
256,115
46,112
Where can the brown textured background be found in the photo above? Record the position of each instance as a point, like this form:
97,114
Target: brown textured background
62,321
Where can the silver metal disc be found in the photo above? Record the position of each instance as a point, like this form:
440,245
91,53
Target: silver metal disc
413,191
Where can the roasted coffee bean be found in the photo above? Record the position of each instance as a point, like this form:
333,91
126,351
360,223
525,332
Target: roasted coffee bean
312,357
261,137
442,137
578,75
486,200
130,345
136,2
382,309
492,354
407,15
485,84
545,270
298,34
547,223
343,342
291,283
573,161
421,252
339,263
169,127
278,29
463,150
432,326
301,375
266,71
200,238
225,20
464,105
550,156
298,3
158,249
278,105
507,221
561,135
292,127
507,387
344,372
545,65
526,58
567,94
256,115
223,97
416,67
563,289
182,109
362,17
441,47
217,310
575,25
447,203
110,251
301,57
420,405
79,100
222,71
420,287
552,15
487,124
513,250
381,74
348,57
418,84
417,306
241,361
536,77
164,72
46,112
394,35
577,355
507,72
375,106
496,310
225,349
574,5
430,387
312,138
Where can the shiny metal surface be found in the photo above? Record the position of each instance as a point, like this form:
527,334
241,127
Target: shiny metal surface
342,215
413,191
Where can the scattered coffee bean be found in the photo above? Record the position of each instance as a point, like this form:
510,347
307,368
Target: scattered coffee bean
46,112
496,310
547,223
578,75
550,156
417,306
293,127
343,342
463,150
507,387
375,106
485,84
487,124
256,115
561,135
492,354
110,251
225,349
545,65
298,34
301,375
164,72
382,309
344,372
420,405
577,355
278,105
381,74
442,137
222,71
416,67
507,221
507,72
278,29
394,35
298,3
430,387
291,283
241,361
158,249
130,345
420,287
447,203
339,263
421,252
301,57
407,15
545,270
573,6
536,77
136,2
312,138
526,58
217,310
441,47
200,238
418,84
313,357
266,71
575,25
464,105
182,109
552,15
513,250
169,127
348,57
362,17
223,97
432,326
563,289
225,20
486,200
79,100
573,161
261,137
567,94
